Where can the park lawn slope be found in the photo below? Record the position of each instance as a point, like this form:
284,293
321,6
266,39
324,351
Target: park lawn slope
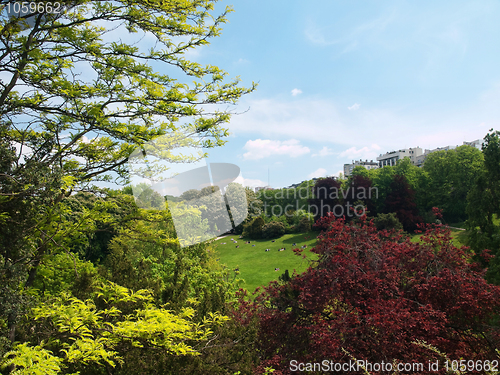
256,266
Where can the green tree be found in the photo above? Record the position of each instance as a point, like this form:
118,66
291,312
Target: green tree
274,229
75,102
387,221
242,205
254,228
97,99
483,206
452,173
382,179
360,171
304,225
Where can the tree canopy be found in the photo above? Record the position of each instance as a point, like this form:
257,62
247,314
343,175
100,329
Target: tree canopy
76,97
80,90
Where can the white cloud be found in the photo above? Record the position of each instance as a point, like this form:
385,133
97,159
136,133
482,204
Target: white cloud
296,92
327,121
242,61
263,148
325,151
320,172
249,182
354,107
319,120
370,152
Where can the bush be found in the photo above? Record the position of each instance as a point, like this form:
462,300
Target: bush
387,221
273,230
254,228
374,297
304,225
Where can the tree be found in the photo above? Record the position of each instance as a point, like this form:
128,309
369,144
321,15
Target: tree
304,225
239,201
359,191
483,206
274,229
73,92
253,209
387,221
75,102
382,179
401,201
254,228
452,174
374,296
326,193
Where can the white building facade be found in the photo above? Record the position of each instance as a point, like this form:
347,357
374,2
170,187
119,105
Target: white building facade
348,168
391,158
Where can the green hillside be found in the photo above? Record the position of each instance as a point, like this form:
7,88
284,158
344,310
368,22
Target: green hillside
256,265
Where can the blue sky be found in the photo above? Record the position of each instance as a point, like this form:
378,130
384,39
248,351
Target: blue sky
344,80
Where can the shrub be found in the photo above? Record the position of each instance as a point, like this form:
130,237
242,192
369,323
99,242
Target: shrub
374,296
254,228
304,225
387,221
273,230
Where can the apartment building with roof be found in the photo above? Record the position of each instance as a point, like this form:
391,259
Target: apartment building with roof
417,155
391,158
348,168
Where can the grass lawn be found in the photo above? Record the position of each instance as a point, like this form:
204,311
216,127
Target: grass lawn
257,266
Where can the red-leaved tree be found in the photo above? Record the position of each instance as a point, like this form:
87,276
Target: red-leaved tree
327,192
401,200
374,295
360,191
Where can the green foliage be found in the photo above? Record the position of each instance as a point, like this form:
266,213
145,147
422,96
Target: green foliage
175,274
99,331
78,103
382,179
254,228
304,225
278,201
122,100
253,209
451,175
360,171
274,229
147,198
483,206
64,272
387,222
29,360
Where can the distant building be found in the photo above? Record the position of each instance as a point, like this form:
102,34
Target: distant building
348,168
416,155
391,158
478,143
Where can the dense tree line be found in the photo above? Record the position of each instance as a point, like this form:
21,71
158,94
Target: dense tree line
444,181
